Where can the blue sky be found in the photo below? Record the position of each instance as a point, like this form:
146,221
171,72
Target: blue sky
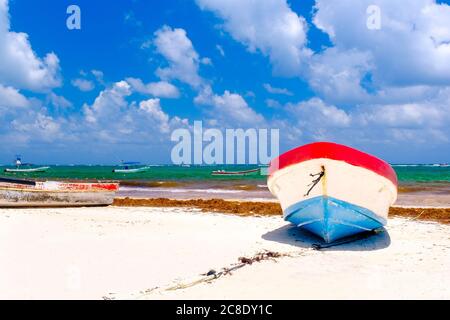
137,70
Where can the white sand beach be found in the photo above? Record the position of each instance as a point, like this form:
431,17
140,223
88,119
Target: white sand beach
124,253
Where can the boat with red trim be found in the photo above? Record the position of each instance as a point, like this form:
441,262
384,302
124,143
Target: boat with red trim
332,190
27,193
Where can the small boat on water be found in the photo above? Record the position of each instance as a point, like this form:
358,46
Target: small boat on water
25,167
38,169
26,193
332,190
131,167
236,173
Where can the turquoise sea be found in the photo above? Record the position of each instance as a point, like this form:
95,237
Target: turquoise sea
197,181
406,173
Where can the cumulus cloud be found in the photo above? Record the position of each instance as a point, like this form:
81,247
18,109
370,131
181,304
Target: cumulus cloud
183,61
271,103
11,98
269,26
83,84
336,76
108,103
20,67
152,108
392,124
58,101
229,108
411,48
318,119
98,76
115,119
37,126
161,89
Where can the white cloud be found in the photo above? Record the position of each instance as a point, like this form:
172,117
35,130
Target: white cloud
274,90
83,84
108,103
230,109
11,98
19,65
183,60
393,124
38,127
152,108
113,118
206,61
411,47
161,89
336,75
315,114
271,103
58,101
98,76
269,26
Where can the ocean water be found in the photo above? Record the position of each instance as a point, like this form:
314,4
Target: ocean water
405,173
197,181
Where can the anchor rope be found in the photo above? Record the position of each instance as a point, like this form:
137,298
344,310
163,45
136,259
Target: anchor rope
315,181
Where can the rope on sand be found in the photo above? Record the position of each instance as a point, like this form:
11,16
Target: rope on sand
213,275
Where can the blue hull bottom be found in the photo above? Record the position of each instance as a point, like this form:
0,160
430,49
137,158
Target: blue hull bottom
331,218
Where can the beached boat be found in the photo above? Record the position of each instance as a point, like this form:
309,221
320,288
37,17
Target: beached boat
236,173
332,190
26,193
131,167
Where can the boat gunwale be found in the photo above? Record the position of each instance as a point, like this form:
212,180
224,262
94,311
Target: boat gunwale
332,151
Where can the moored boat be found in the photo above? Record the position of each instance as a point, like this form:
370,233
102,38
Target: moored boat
38,169
25,193
333,190
131,167
24,167
236,173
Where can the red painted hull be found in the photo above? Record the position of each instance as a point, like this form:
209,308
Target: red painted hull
333,151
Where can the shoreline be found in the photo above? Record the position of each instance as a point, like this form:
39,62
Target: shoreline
270,208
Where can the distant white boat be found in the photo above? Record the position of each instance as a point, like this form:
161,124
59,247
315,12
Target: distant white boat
131,167
39,169
25,167
236,173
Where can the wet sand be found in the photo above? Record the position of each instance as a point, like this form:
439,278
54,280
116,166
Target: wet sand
418,194
153,253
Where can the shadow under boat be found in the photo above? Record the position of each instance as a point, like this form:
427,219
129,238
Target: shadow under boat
302,238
